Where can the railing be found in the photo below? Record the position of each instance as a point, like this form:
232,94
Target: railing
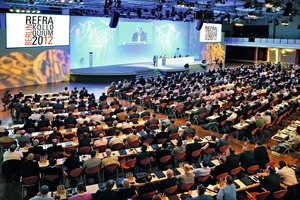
266,42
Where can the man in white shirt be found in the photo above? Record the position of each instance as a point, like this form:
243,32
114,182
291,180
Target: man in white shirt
101,142
287,174
12,154
232,116
96,117
205,170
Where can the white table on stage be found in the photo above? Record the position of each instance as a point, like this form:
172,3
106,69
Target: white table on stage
174,61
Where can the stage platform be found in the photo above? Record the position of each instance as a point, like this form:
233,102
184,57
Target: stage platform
107,74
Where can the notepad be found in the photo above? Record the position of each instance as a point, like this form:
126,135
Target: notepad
159,174
246,181
122,152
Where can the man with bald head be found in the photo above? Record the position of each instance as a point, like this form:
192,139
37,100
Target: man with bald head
109,159
30,167
187,177
169,182
55,148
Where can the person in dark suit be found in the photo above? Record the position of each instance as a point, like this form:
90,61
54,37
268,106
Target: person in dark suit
57,122
222,168
190,148
143,154
188,131
127,191
145,113
85,141
36,149
43,122
160,135
72,162
83,128
148,186
246,157
139,35
70,119
232,159
54,148
30,167
261,156
163,151
270,182
152,120
58,105
169,182
107,193
53,169
55,134
134,114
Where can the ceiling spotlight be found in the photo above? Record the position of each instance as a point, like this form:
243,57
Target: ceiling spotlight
28,10
32,10
239,24
11,9
37,11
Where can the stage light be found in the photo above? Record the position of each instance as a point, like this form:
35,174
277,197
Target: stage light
118,4
37,11
28,10
18,9
11,9
239,24
32,10
167,14
285,23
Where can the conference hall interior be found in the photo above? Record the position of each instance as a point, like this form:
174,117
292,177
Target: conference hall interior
149,99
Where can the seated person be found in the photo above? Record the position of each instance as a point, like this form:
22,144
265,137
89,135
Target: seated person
163,151
107,193
102,141
178,148
222,168
54,135
30,167
43,194
270,182
200,190
148,186
92,162
53,169
187,177
160,135
36,149
55,148
109,159
85,141
169,182
116,139
72,162
81,194
203,171
127,191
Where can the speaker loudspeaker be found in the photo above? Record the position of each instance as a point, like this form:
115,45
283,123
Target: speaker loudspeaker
186,66
114,20
199,25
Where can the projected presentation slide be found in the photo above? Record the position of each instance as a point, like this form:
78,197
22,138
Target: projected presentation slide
29,30
135,33
211,33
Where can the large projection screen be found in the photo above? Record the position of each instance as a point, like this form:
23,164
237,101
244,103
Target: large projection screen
211,33
36,30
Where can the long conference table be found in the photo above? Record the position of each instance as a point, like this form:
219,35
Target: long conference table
241,185
177,61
